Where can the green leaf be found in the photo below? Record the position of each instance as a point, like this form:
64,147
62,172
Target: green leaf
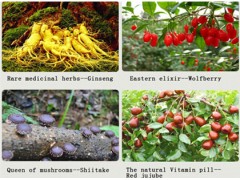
200,139
188,129
187,52
205,128
115,129
175,8
163,130
164,31
184,138
190,62
220,141
157,13
136,133
229,146
170,138
217,6
155,125
197,4
130,9
149,150
130,142
186,114
172,25
224,49
128,159
153,118
149,7
133,18
226,155
204,152
143,133
129,4
157,156
212,153
182,147
221,60
174,155
153,140
138,157
233,119
50,107
200,42
167,6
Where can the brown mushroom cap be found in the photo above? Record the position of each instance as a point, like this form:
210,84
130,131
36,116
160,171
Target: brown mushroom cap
16,118
109,133
87,133
115,142
46,120
115,150
69,148
7,155
56,151
95,129
23,129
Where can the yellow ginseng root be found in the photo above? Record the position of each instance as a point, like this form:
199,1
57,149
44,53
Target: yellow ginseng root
92,46
29,46
79,47
65,48
83,29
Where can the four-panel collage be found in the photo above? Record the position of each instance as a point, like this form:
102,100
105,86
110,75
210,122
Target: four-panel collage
85,125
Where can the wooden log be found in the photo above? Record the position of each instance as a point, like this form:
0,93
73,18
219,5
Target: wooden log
37,144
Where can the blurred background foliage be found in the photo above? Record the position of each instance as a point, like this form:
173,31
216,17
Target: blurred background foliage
72,109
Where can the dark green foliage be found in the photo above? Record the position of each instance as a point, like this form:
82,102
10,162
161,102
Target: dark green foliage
111,11
14,10
67,19
13,34
98,23
110,99
37,16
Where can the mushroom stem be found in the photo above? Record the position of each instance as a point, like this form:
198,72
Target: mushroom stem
37,145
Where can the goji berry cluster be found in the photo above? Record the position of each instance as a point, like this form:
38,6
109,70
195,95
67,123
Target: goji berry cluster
150,37
211,34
